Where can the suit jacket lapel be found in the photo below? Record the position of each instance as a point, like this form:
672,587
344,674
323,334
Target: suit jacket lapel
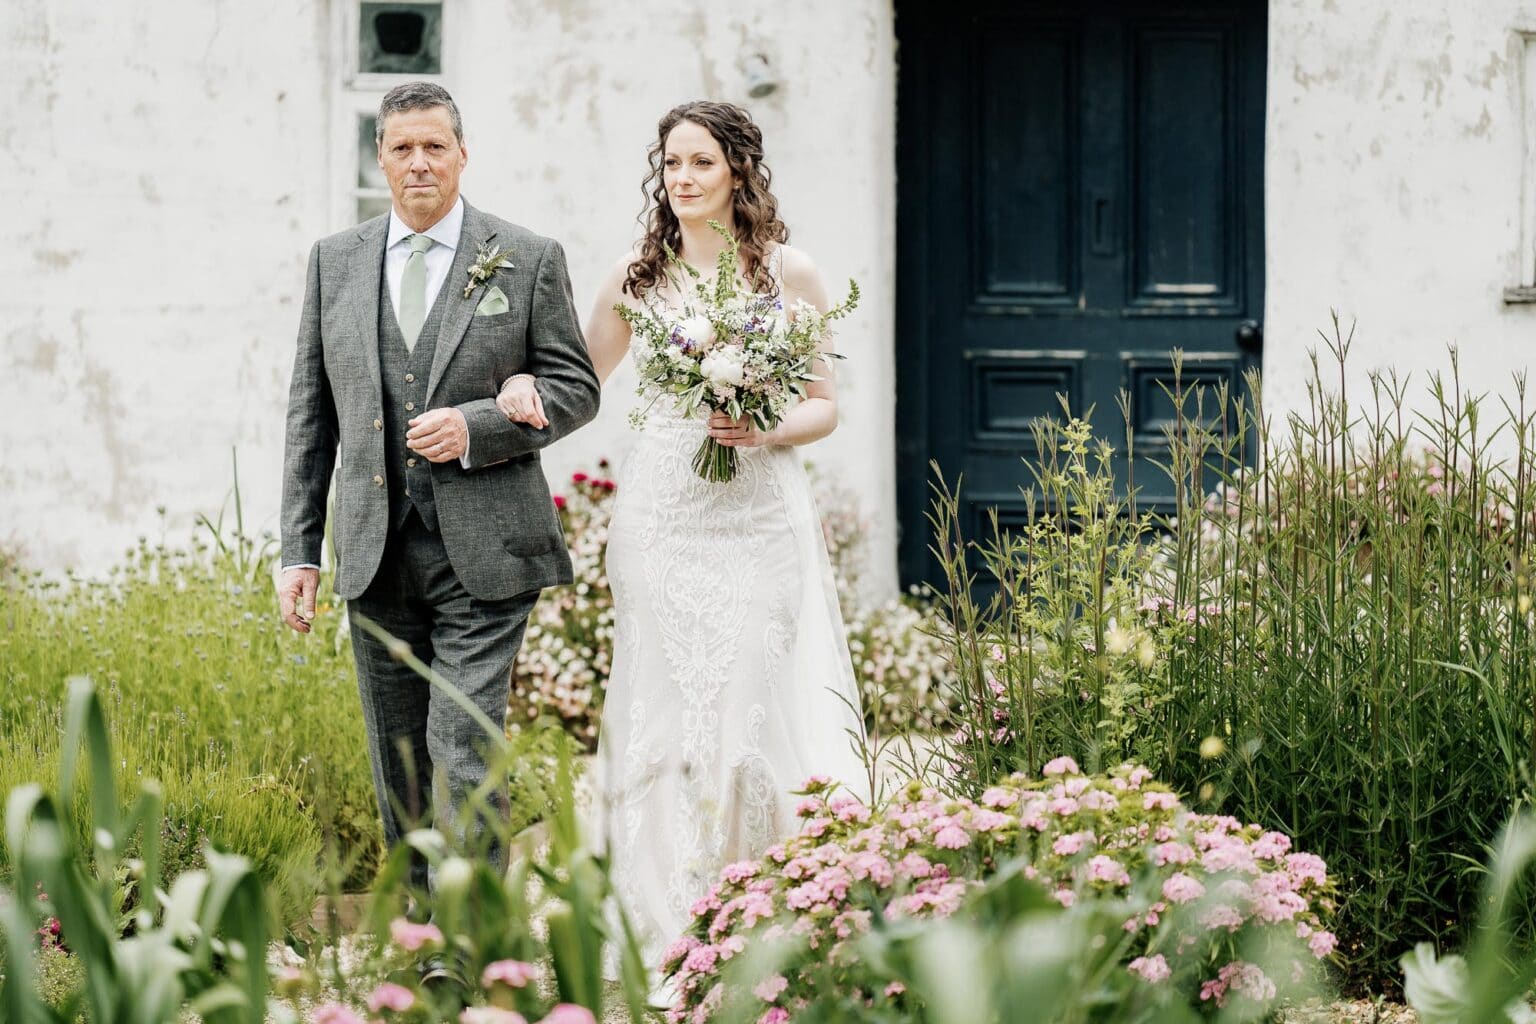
363,295
458,310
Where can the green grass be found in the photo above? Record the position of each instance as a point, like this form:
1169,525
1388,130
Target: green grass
254,732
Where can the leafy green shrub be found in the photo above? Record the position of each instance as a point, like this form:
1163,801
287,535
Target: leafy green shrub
1339,646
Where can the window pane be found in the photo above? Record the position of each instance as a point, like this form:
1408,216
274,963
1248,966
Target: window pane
369,173
369,207
401,39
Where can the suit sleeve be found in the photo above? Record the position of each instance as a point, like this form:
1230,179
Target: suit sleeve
557,357
309,452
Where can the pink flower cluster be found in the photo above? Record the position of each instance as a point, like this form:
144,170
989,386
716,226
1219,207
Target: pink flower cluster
1082,837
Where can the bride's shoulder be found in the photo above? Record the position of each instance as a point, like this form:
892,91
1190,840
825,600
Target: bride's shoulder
796,268
618,271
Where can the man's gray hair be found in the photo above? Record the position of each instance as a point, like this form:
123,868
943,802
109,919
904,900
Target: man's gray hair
416,96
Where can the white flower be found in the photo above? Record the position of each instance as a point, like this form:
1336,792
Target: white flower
699,332
723,367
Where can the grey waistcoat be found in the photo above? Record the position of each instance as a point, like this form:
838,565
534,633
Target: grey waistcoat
408,485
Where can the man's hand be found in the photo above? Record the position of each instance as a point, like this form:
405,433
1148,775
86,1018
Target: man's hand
440,434
296,597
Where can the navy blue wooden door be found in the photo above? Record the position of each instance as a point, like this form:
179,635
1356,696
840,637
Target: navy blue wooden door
1080,191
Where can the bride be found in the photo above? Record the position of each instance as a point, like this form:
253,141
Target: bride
731,681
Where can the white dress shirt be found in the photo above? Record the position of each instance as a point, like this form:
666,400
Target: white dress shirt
445,242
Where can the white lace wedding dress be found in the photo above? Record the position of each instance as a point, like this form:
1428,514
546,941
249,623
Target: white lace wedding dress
731,681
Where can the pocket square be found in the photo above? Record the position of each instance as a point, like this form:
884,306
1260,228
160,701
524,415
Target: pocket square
493,302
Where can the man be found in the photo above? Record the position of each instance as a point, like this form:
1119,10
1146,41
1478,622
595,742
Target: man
445,530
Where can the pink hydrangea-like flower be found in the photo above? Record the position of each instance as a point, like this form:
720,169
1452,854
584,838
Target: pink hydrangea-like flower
770,989
1181,888
490,1015
999,798
513,973
952,837
1104,868
335,1013
1071,844
569,1013
740,871
1221,915
413,937
774,1015
390,996
1172,853
1151,968
701,959
1271,845
1322,944
1307,867
1158,801
894,989
1061,766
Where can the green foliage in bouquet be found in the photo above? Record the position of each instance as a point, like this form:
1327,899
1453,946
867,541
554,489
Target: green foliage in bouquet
729,350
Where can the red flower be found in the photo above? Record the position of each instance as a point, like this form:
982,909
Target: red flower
578,477
602,463
559,501
607,485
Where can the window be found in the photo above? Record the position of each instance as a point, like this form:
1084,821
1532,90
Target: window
378,45
400,39
372,188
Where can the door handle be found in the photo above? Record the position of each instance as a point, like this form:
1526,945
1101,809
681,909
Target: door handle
1250,337
1101,232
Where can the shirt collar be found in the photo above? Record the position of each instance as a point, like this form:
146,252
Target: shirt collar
445,232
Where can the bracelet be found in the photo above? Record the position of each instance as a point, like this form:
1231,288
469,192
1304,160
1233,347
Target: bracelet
516,376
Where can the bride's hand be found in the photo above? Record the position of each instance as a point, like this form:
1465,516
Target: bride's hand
740,433
519,402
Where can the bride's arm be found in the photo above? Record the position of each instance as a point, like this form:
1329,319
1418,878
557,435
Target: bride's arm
607,333
816,417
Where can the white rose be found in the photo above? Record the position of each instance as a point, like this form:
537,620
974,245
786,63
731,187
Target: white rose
722,367
699,332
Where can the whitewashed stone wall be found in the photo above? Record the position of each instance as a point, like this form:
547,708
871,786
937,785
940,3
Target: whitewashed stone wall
1396,163
169,164
177,159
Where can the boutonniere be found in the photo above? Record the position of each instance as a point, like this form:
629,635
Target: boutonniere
488,260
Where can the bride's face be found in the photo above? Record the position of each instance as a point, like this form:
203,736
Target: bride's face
698,180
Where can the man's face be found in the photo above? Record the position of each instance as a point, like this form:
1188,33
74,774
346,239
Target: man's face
422,160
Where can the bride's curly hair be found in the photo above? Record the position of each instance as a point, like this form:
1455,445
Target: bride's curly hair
754,207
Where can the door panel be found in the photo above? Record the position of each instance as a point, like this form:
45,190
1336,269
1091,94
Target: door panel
1080,190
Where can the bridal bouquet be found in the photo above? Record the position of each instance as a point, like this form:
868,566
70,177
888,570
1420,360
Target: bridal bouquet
729,350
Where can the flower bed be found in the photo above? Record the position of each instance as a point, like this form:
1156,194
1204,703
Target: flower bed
1082,837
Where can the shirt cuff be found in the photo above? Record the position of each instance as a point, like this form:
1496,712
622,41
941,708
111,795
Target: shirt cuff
464,459
301,565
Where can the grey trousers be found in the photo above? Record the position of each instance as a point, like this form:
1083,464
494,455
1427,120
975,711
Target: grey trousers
422,744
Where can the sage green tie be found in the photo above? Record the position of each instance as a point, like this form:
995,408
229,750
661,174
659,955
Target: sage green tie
413,290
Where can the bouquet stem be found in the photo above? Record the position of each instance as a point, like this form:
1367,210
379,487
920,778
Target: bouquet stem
715,462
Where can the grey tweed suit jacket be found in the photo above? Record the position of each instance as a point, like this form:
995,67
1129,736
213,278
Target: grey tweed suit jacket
497,518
